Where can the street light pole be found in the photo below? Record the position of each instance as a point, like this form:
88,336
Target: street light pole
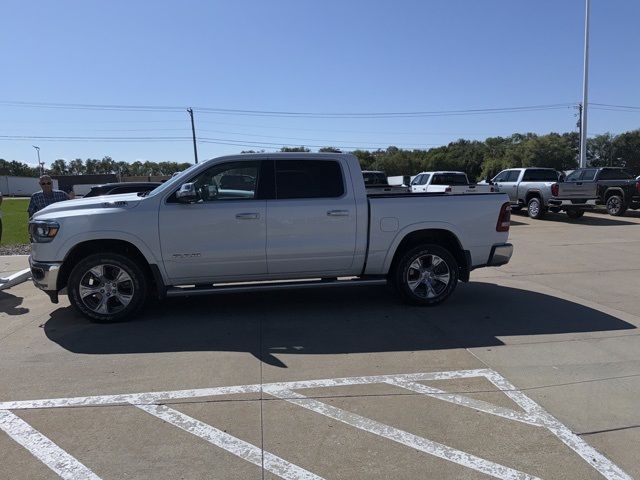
585,89
41,164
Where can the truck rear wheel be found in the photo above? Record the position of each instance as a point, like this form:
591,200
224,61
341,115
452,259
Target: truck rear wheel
107,287
615,206
535,208
426,275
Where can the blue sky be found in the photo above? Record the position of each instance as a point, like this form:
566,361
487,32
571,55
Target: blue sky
303,56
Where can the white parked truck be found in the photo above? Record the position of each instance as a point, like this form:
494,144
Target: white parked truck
446,182
262,221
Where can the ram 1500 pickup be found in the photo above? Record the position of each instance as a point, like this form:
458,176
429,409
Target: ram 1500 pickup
263,221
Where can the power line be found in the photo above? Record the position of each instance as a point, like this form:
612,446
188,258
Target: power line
291,114
625,107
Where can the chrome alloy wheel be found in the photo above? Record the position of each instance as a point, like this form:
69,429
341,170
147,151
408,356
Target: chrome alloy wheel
614,205
106,289
428,276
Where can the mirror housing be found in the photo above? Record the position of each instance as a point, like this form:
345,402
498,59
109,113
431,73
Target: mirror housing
187,193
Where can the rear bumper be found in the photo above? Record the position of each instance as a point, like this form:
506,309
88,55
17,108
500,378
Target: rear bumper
500,255
575,204
45,277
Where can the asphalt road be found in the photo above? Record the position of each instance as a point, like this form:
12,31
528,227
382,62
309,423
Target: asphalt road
531,370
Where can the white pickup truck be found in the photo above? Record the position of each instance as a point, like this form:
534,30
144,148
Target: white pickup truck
446,182
263,221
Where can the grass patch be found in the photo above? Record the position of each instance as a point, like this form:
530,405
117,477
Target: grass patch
14,221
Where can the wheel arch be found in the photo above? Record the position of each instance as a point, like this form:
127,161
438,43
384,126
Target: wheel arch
438,236
90,247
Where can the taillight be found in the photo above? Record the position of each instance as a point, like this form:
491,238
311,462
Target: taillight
638,186
555,189
504,219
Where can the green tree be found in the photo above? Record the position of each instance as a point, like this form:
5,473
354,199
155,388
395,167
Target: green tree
294,149
59,167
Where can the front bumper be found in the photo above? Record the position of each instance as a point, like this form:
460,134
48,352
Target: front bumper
45,277
500,255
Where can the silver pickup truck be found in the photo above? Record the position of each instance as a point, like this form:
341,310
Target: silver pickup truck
258,222
539,190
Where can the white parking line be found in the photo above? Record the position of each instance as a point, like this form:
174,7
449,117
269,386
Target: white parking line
43,449
467,402
534,415
231,444
602,464
405,438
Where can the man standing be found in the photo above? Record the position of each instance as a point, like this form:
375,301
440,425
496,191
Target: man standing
47,196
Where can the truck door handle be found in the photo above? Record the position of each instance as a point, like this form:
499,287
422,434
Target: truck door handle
247,216
338,213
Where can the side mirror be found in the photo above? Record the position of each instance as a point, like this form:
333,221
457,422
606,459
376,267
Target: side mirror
187,193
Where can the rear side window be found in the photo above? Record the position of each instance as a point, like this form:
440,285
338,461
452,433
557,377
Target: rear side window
449,179
308,179
540,175
589,174
615,174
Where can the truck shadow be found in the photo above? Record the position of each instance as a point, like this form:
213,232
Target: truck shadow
339,321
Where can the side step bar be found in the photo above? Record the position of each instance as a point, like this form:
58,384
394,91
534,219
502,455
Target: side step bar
274,285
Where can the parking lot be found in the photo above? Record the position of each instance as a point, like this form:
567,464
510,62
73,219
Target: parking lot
531,370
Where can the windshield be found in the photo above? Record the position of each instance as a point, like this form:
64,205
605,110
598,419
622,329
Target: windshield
180,175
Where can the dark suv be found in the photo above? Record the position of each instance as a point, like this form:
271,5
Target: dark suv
617,188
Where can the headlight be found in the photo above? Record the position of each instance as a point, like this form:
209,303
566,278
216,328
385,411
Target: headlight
43,231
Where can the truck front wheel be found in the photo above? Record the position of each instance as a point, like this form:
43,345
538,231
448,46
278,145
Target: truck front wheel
426,275
107,287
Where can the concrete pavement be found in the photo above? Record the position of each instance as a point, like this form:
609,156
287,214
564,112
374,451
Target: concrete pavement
559,323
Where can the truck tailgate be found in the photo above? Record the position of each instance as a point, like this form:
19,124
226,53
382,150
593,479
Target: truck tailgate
577,190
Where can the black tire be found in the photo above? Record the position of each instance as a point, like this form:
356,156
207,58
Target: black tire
535,208
616,206
429,280
575,213
113,286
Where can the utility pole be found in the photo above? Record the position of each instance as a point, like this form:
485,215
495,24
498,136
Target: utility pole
41,164
193,132
585,89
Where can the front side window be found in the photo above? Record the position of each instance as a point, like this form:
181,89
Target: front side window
425,179
308,179
513,176
574,176
416,180
501,177
227,181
